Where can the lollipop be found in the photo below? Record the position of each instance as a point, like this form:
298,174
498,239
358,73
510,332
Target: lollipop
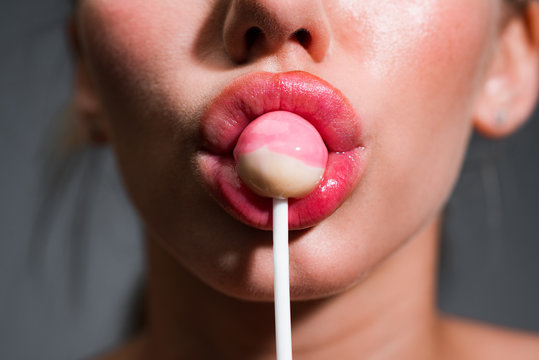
281,155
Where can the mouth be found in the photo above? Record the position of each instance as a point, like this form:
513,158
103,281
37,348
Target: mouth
306,95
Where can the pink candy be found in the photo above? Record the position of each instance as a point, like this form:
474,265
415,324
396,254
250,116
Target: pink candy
281,155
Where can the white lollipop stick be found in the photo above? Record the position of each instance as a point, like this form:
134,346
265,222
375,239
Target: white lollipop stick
283,331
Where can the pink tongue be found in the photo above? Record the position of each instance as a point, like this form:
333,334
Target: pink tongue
284,133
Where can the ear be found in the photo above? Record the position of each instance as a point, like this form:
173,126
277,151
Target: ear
510,89
86,102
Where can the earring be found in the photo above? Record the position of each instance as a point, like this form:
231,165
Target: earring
501,118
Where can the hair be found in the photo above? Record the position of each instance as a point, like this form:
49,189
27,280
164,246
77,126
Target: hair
517,6
518,3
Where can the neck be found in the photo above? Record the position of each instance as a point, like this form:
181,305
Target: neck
395,318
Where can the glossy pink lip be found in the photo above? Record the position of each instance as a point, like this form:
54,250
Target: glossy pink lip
306,95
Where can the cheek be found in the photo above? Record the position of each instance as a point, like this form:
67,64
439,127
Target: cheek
420,65
433,69
139,51
439,51
138,54
140,30
423,39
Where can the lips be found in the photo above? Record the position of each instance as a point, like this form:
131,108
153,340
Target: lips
252,95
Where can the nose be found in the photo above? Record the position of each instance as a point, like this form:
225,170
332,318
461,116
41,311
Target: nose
256,28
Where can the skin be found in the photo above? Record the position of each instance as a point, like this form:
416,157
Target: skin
423,75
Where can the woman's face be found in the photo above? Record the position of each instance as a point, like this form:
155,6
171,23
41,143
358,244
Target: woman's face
409,70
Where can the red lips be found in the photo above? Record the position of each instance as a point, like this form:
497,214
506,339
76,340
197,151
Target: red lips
306,95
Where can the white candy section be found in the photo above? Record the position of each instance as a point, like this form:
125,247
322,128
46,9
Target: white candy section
276,175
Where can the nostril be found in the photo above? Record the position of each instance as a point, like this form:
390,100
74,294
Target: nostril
303,37
252,35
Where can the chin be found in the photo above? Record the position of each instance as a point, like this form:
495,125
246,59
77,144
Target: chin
258,290
318,268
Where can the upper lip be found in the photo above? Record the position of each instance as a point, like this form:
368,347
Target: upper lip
254,94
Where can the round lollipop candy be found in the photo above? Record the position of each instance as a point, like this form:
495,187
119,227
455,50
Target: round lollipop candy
281,155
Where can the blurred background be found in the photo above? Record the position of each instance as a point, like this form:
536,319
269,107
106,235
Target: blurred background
71,250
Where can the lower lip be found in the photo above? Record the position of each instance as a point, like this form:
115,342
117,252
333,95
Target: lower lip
342,174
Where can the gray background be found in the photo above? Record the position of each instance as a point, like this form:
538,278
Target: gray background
71,255
71,259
